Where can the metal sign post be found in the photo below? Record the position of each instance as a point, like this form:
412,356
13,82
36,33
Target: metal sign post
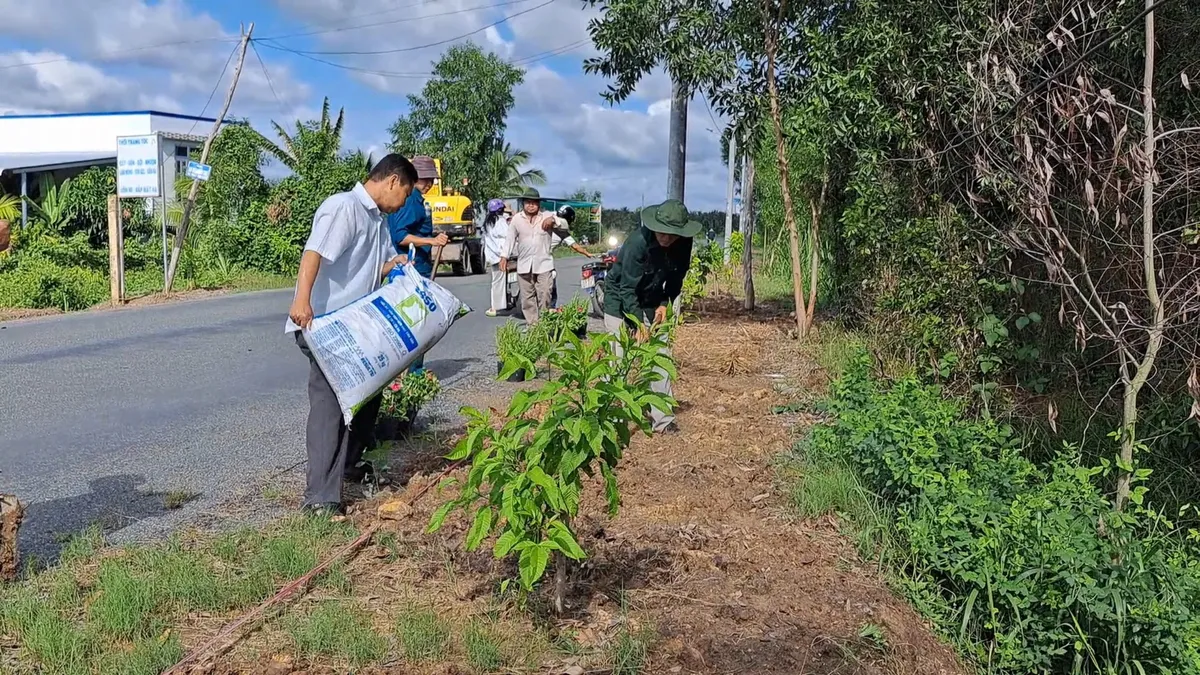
162,204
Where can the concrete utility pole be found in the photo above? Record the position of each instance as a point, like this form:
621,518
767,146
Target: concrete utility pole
191,199
677,142
747,227
729,195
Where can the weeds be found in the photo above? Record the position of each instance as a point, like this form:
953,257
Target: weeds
423,636
337,629
629,650
103,611
484,649
176,499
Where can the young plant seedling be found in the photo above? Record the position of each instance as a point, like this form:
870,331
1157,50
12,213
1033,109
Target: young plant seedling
526,475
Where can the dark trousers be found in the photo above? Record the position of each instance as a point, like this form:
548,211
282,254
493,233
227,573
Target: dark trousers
333,448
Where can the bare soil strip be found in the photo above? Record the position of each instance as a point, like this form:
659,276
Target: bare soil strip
705,553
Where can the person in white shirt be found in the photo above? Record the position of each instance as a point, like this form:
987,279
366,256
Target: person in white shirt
531,238
495,231
348,254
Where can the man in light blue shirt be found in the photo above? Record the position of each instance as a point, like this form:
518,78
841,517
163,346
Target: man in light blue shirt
347,256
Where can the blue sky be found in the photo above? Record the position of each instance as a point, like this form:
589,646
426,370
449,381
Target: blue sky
71,56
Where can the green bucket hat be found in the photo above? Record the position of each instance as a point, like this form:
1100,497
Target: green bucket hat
670,217
528,193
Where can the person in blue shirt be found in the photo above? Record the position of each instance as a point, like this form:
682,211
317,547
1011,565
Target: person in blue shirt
412,226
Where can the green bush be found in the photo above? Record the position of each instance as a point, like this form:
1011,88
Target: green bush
36,282
72,251
1028,566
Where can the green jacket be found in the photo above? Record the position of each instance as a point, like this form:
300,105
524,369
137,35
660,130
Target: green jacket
646,276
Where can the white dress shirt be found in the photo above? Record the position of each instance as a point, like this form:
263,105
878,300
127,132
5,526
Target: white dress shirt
351,235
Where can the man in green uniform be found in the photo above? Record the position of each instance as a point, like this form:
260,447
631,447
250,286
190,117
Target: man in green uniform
648,277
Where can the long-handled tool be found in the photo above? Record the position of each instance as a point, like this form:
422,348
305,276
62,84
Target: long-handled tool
437,262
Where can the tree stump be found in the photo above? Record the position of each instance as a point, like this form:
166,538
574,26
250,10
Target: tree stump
11,513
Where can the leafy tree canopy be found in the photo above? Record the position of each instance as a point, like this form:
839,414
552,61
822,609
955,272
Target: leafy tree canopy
460,115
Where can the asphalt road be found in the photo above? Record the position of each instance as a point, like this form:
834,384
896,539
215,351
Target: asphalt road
104,413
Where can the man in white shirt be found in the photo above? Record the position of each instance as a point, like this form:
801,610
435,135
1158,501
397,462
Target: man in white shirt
347,256
531,238
528,239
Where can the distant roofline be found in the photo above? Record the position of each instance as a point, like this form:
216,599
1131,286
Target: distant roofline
178,116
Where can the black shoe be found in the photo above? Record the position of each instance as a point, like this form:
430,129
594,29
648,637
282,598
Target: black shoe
323,510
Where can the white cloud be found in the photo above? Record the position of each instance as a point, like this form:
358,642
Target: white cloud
116,31
45,81
622,151
346,26
175,53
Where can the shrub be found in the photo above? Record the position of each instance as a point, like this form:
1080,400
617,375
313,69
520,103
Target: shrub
72,251
1028,566
405,396
526,346
570,318
35,282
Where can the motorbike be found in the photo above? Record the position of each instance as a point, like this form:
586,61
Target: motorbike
592,280
512,290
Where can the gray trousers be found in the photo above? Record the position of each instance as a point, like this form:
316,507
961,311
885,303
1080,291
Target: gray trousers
333,448
535,294
661,419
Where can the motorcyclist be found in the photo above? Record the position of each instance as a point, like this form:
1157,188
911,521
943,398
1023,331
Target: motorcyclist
561,236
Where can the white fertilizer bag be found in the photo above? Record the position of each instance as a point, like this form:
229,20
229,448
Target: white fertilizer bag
363,346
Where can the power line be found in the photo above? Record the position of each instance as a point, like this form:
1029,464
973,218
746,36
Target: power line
431,44
524,61
216,85
557,51
376,24
342,66
124,51
267,75
712,117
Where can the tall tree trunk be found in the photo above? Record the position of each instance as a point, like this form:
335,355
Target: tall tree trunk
789,211
817,208
747,221
1133,385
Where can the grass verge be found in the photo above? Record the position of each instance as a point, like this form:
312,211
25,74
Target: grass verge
116,611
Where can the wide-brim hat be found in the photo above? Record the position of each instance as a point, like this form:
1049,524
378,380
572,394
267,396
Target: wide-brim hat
528,194
670,217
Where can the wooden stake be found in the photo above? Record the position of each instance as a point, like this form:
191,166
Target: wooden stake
181,234
11,514
116,262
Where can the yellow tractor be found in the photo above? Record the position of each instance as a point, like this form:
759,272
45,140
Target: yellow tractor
454,215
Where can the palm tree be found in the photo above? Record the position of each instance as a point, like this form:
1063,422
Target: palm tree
10,207
505,175
312,145
51,213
